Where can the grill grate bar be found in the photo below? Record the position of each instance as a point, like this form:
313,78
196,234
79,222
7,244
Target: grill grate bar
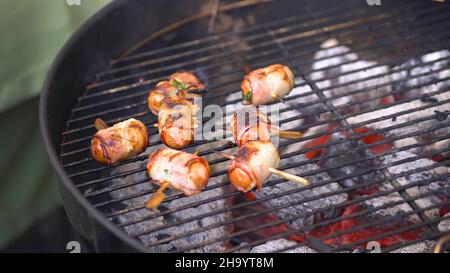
303,151
308,16
200,60
355,139
400,230
324,223
119,93
147,113
325,25
372,224
273,209
143,93
280,30
298,117
292,107
428,236
347,126
334,180
381,221
292,98
208,200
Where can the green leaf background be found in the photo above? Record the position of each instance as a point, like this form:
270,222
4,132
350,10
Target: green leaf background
31,32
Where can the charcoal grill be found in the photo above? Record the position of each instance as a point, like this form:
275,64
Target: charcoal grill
108,66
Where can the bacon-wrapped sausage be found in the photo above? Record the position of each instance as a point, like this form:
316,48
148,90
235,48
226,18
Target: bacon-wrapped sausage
251,165
179,83
267,84
162,90
176,122
185,172
119,142
250,124
184,80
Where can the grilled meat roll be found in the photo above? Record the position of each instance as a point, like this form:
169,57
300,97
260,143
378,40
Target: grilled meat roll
179,83
119,142
176,122
184,80
162,90
185,172
250,166
250,124
267,84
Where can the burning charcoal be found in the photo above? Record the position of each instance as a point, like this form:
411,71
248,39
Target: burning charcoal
363,233
439,129
306,106
355,73
444,225
302,207
387,211
277,245
411,73
343,154
178,229
423,99
441,116
416,177
245,226
423,247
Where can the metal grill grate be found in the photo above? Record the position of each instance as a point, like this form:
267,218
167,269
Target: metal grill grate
121,92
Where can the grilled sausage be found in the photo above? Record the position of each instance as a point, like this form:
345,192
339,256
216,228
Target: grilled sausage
250,124
184,80
119,142
250,166
179,83
185,172
176,122
264,85
162,90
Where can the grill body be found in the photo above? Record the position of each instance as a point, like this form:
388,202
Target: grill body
85,63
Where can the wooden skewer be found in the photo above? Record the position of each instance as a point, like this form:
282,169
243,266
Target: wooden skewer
158,196
100,124
286,134
275,96
282,133
441,243
226,155
288,176
278,98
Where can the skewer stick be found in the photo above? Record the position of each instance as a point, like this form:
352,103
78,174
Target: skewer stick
288,176
282,133
100,124
441,243
158,196
278,98
286,134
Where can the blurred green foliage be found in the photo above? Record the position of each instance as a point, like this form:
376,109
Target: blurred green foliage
31,32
